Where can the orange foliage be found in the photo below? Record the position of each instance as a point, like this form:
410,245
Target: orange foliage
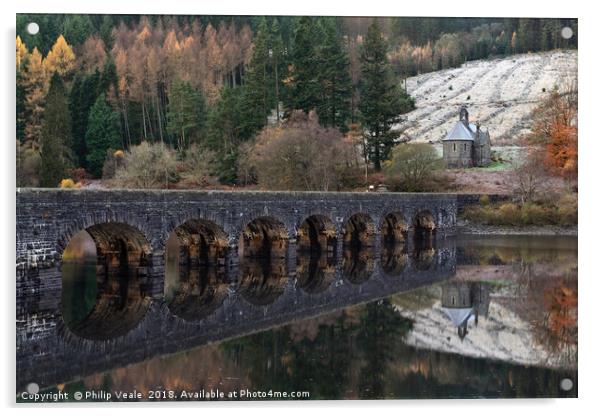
561,304
561,150
555,130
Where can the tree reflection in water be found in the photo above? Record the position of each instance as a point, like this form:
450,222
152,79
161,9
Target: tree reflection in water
360,352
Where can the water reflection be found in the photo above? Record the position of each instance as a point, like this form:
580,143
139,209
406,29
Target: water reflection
393,258
197,293
196,283
104,277
504,326
341,355
316,270
357,263
463,302
262,279
423,254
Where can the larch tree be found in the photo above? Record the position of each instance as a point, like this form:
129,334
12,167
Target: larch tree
185,114
93,54
382,100
102,134
60,59
21,58
22,53
35,82
56,135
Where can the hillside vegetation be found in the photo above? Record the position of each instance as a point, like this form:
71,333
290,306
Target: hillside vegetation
499,93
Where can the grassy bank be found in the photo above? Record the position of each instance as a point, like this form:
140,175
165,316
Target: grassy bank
560,212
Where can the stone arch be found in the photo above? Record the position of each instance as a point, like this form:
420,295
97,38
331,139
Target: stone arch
317,233
264,237
122,277
90,219
424,225
359,231
195,275
393,229
214,218
263,244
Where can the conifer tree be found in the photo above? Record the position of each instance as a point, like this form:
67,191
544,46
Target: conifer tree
278,64
185,114
257,84
335,79
56,135
84,91
103,133
382,101
225,133
304,83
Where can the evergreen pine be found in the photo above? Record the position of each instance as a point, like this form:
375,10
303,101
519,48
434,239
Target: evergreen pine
225,132
335,79
304,82
382,101
103,133
185,113
257,83
56,135
84,93
278,64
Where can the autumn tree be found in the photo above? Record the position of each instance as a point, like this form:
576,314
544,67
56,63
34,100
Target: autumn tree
93,55
555,131
56,135
102,134
185,114
382,100
299,155
21,59
35,82
60,59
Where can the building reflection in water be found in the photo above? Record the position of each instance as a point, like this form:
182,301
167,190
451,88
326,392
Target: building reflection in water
464,302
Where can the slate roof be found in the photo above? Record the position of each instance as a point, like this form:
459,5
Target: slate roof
462,131
458,315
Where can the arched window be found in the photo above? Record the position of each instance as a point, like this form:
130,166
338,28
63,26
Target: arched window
454,147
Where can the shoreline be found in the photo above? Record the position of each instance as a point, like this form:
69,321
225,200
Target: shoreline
552,230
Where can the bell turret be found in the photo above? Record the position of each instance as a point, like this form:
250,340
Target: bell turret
464,115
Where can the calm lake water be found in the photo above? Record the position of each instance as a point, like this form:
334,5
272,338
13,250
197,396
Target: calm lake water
504,326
